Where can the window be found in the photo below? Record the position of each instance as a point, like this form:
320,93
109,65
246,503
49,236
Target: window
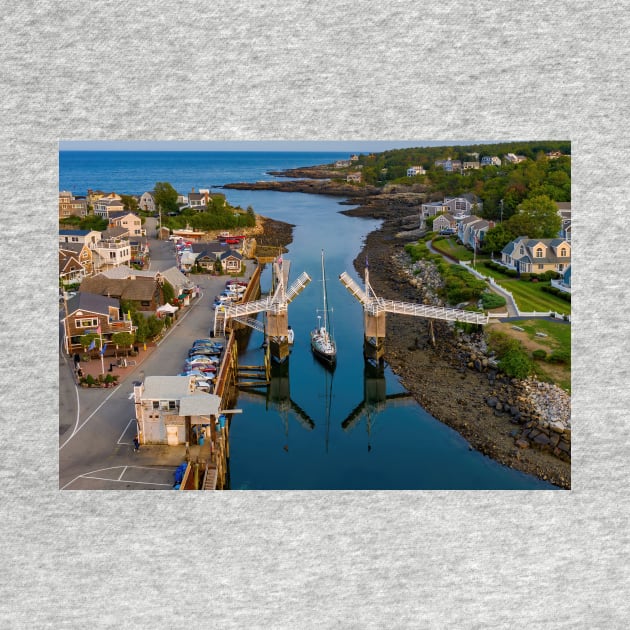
539,252
86,323
156,404
522,251
541,266
560,267
563,252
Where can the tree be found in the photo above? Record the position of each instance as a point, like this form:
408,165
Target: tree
168,292
165,197
130,203
497,238
124,339
536,217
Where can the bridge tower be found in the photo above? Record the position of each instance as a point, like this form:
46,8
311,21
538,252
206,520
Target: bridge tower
275,307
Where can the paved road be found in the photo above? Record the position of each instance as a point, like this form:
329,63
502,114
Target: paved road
96,450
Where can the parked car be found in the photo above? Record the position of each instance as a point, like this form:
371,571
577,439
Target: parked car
201,360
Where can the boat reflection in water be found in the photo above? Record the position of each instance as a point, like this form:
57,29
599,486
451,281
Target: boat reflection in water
375,399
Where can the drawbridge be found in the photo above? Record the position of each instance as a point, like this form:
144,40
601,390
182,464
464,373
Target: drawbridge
275,307
375,309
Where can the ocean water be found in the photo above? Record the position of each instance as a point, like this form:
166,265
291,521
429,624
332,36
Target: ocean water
312,429
135,172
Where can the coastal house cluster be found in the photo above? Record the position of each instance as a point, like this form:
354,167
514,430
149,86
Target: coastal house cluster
455,216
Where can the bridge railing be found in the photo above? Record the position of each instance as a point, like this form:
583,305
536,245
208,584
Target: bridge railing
432,312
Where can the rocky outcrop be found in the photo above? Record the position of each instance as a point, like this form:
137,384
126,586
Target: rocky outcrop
312,186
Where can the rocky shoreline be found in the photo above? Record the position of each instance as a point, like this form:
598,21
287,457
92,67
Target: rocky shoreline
522,424
514,422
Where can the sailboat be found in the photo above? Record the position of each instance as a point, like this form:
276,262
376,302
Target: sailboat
322,342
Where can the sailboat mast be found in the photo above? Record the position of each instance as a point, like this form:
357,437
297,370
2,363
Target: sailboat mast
325,304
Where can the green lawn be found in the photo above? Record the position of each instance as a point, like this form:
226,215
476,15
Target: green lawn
450,247
559,339
559,333
529,296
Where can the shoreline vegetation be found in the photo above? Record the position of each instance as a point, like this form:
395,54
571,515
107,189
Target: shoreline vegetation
513,422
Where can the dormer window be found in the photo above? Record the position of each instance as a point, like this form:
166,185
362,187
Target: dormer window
563,252
539,252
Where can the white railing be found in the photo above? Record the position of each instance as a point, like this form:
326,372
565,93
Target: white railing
432,312
559,285
298,286
353,288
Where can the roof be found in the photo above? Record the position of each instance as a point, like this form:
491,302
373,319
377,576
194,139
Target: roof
122,213
473,218
106,201
212,246
114,232
199,404
188,258
176,278
92,303
232,253
74,232
167,387
563,205
123,271
137,288
75,248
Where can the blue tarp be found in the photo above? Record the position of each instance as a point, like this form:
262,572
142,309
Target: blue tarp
179,472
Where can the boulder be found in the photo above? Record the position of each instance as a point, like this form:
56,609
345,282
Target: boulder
491,401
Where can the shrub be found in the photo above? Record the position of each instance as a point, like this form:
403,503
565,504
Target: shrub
539,355
512,273
90,380
516,364
560,356
492,300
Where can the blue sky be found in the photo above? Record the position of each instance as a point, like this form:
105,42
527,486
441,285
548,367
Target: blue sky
352,146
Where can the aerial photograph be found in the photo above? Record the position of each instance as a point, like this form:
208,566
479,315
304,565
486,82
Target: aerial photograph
364,315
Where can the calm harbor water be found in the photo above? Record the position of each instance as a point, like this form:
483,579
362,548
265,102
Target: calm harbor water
312,430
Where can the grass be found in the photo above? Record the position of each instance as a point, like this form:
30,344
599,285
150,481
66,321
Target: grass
529,296
451,248
558,340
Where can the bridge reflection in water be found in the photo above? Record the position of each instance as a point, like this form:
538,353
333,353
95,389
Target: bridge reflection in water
277,395
375,400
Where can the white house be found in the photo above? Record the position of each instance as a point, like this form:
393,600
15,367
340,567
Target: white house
147,202
490,160
104,206
412,171
164,403
84,237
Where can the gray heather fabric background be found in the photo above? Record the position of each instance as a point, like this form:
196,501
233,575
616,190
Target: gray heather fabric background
326,70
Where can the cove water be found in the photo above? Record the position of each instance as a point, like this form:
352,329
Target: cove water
349,430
